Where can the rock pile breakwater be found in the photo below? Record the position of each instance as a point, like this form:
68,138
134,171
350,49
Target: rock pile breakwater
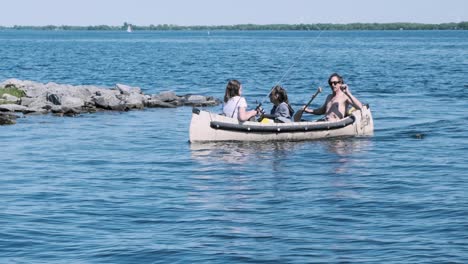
29,97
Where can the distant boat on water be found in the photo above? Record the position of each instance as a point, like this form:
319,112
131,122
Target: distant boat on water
129,29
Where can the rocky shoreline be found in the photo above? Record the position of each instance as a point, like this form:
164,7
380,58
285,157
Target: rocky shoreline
31,98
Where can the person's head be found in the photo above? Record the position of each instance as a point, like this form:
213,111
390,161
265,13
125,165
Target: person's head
233,88
335,81
278,95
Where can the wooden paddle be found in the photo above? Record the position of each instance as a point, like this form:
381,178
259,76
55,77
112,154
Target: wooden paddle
298,114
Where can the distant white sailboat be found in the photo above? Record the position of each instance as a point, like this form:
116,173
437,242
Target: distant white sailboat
129,29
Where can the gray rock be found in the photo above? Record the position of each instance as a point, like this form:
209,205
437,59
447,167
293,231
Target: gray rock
17,83
199,100
156,103
33,89
109,102
36,111
26,101
125,89
135,101
89,107
54,99
196,99
73,102
39,104
10,98
168,96
65,111
7,119
69,100
56,109
71,111
12,108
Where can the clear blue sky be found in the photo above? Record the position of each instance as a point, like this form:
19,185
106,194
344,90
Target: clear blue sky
228,12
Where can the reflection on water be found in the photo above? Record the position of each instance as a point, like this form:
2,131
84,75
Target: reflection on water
251,171
275,171
340,146
347,146
330,159
335,153
346,154
240,152
344,150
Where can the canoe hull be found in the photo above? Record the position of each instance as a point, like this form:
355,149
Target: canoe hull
209,127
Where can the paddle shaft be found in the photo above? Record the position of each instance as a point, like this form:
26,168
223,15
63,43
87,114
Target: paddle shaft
298,115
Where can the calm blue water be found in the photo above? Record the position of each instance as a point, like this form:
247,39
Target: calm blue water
129,188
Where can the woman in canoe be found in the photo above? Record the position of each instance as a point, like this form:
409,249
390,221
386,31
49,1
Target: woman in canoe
235,105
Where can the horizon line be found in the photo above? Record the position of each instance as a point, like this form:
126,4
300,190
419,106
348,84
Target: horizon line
231,25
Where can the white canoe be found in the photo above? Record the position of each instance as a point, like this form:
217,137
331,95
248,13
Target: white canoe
206,126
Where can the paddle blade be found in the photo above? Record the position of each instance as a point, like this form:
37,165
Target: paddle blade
298,115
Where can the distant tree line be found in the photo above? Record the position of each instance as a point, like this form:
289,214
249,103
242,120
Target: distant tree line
319,26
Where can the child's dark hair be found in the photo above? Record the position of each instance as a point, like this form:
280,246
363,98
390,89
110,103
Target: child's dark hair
282,96
281,92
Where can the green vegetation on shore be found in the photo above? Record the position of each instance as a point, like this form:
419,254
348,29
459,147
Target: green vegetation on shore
320,26
12,90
